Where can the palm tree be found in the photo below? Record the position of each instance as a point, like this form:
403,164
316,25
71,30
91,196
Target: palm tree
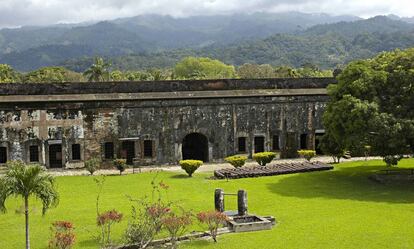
99,71
25,181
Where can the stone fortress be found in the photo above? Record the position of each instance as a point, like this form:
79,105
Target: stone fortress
60,125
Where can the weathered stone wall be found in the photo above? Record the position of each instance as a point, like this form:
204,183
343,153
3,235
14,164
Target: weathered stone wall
164,121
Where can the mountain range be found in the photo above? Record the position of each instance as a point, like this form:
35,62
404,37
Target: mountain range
148,41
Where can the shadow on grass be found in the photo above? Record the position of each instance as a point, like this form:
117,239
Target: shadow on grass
181,176
343,183
88,243
200,243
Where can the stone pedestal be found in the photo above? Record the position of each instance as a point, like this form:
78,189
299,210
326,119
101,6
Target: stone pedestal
242,202
219,200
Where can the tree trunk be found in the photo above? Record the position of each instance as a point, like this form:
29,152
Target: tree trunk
26,214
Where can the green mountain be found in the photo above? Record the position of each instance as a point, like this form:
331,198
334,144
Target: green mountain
326,46
160,41
28,48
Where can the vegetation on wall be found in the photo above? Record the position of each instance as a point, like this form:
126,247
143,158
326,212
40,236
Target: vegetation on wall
188,68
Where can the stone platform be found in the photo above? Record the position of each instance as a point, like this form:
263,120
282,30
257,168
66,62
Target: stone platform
270,170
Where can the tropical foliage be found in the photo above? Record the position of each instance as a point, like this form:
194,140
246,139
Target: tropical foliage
26,181
203,68
372,105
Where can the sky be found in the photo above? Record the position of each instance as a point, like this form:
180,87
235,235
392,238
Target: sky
15,13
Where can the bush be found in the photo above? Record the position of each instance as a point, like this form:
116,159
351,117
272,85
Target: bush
392,160
214,220
330,146
190,166
62,236
176,225
237,161
307,154
92,165
105,221
264,158
120,164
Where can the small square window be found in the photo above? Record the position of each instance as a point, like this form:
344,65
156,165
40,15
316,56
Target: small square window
109,150
241,141
148,148
34,153
76,152
258,144
304,141
3,154
275,142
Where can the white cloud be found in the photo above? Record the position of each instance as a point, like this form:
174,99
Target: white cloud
41,12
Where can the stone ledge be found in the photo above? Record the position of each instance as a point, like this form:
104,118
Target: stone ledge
162,95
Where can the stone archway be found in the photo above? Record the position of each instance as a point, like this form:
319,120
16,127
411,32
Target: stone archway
195,146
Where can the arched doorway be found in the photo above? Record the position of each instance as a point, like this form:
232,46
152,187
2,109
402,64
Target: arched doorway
195,146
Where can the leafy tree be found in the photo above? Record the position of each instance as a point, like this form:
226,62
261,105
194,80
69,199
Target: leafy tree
117,75
331,147
372,104
254,71
25,181
203,68
8,74
286,72
98,71
52,75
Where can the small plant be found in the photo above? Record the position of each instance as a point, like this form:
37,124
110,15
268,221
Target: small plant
307,154
176,226
105,221
120,164
147,216
237,160
62,236
92,165
264,158
190,166
214,220
392,160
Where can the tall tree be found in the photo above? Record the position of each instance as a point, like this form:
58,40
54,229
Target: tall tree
52,75
26,181
8,74
254,71
203,68
99,71
372,104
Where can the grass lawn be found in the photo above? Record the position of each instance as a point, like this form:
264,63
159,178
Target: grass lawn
341,208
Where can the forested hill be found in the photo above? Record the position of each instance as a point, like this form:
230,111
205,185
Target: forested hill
326,46
28,48
160,41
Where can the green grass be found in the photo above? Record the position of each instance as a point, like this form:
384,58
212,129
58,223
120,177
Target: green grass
341,208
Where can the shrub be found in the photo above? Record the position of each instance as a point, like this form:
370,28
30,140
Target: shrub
176,225
330,146
92,165
120,164
190,166
392,160
63,236
237,161
214,220
105,221
307,154
264,158
147,216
